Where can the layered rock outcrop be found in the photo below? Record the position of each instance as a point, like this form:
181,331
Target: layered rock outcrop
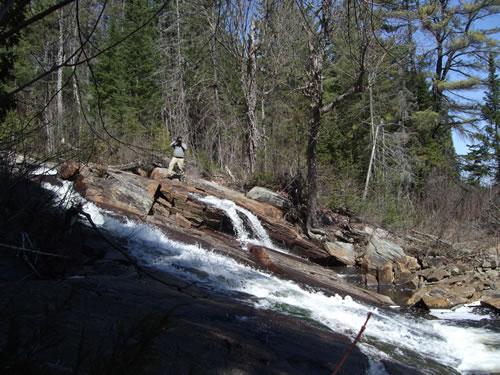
436,281
178,210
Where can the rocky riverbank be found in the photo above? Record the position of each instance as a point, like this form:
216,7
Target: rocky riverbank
86,307
98,303
430,272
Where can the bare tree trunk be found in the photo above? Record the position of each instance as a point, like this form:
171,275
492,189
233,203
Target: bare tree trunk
76,94
181,101
60,59
263,131
47,110
317,45
374,135
318,42
384,167
312,169
250,84
218,127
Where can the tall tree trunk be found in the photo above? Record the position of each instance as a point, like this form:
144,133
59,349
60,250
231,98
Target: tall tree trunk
318,43
180,72
263,135
411,55
312,169
77,128
374,135
213,53
60,59
47,109
250,83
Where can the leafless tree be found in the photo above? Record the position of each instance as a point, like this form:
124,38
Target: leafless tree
320,22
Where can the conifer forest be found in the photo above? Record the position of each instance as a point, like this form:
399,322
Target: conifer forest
344,104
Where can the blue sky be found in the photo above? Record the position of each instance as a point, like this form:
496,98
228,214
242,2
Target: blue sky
478,95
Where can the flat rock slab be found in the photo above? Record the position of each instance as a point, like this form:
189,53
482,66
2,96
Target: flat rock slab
434,297
116,190
300,270
203,334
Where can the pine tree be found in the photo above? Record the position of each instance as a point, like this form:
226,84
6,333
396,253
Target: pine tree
128,94
458,47
483,160
10,17
491,114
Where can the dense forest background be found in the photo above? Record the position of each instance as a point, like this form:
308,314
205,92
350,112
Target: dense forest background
346,104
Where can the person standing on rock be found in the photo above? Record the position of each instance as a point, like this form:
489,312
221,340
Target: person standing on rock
178,157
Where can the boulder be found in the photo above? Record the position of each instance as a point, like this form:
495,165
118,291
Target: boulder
387,258
372,261
435,298
411,283
434,262
371,279
438,274
384,274
69,169
377,265
404,268
425,272
381,244
267,196
465,291
182,221
159,173
341,251
493,303
459,279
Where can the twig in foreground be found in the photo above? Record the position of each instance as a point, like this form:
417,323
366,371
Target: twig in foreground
10,247
349,350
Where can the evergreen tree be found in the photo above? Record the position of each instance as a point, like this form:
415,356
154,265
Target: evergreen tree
483,160
458,47
10,17
128,94
491,114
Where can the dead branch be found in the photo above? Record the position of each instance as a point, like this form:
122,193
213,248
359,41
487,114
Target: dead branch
433,238
10,247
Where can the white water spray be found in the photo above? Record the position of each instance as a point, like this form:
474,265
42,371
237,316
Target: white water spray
258,235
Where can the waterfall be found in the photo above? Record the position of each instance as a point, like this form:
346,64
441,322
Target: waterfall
445,345
257,234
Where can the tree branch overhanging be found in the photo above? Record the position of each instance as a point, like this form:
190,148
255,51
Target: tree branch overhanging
33,19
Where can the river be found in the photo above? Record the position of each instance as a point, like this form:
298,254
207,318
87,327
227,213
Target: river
463,341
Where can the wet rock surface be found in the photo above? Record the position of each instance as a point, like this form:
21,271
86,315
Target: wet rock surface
383,262
200,333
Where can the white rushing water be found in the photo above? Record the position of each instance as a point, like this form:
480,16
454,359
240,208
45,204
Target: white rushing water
257,234
438,346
